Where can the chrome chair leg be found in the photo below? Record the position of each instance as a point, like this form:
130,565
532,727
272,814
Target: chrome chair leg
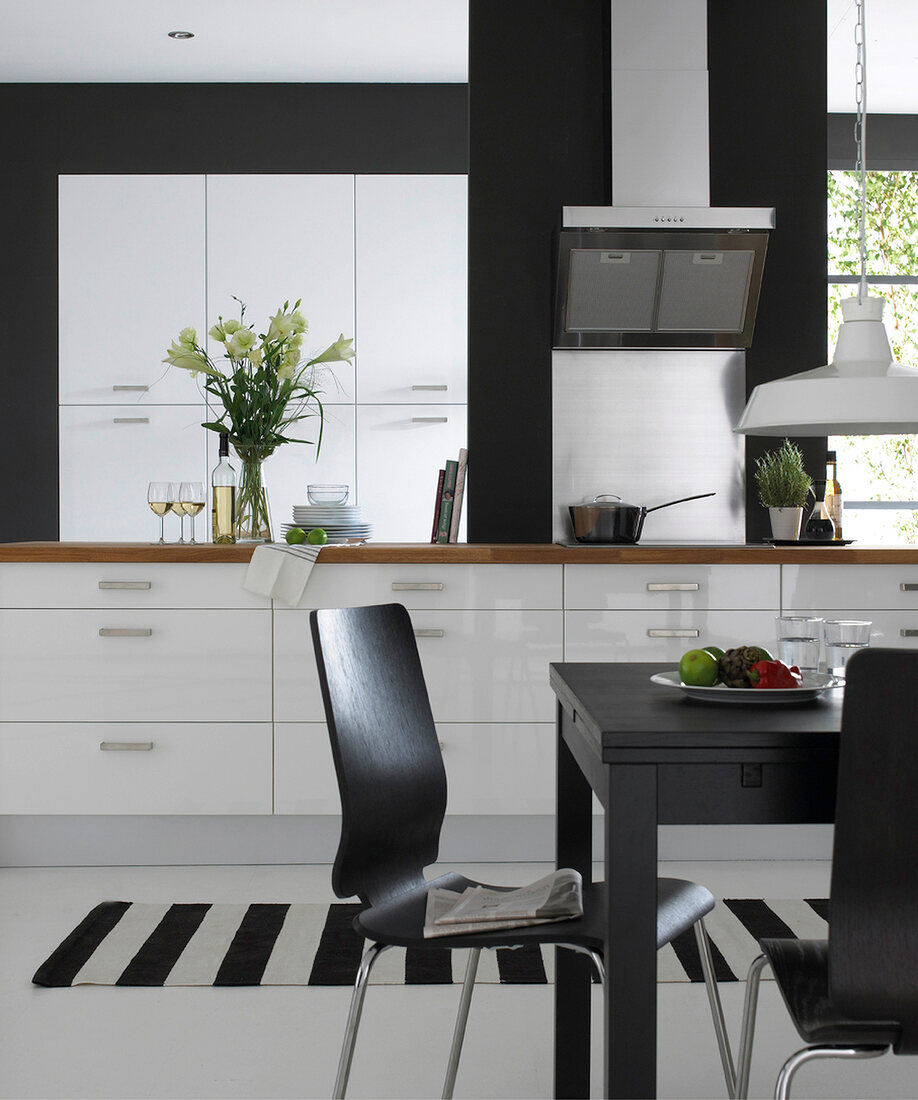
353,1018
717,1010
808,1054
744,1055
468,987
594,957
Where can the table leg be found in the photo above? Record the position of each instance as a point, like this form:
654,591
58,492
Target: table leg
630,1009
573,972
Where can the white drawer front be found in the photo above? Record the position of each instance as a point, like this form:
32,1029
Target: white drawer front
664,636
122,584
171,666
428,586
482,666
672,587
854,586
491,768
144,768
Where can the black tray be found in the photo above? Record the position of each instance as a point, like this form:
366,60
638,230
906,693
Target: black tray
809,542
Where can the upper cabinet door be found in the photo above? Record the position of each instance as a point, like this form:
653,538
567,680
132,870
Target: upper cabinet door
412,289
131,277
272,239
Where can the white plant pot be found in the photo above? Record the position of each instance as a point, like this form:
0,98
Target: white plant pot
785,522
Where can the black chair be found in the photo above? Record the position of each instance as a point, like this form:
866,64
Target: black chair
393,799
855,995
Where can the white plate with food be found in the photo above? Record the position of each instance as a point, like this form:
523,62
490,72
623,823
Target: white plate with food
813,685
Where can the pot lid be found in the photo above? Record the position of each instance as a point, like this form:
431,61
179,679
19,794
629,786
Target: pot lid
611,501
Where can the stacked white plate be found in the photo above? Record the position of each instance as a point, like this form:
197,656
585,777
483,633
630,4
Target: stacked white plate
341,522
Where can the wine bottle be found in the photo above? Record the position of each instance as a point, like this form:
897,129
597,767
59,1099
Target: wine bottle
223,482
833,498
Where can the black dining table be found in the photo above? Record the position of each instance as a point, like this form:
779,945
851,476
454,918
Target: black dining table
658,755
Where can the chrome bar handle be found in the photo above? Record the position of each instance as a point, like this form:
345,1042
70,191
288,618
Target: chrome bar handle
130,420
124,584
673,633
439,389
672,586
130,389
124,632
417,586
908,633
126,746
908,587
429,419
429,633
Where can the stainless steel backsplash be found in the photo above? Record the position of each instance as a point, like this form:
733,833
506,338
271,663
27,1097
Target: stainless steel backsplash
651,426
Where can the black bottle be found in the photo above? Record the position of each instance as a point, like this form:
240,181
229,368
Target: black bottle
819,526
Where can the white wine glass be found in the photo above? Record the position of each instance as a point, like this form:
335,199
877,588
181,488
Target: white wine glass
160,497
191,496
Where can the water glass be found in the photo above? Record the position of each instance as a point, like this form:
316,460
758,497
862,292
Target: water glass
799,638
844,637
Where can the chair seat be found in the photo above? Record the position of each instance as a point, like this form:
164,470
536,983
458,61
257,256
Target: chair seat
400,922
801,969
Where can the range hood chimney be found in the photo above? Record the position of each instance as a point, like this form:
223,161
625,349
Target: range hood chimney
660,268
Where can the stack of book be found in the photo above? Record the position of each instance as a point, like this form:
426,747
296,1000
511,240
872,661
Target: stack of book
448,504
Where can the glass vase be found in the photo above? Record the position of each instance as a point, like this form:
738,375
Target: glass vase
253,518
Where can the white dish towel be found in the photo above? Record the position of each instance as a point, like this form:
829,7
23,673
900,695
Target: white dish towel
280,571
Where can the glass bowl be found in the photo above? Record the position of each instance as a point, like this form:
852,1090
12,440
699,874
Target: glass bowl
327,494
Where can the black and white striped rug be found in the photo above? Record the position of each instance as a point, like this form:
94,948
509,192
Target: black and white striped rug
124,943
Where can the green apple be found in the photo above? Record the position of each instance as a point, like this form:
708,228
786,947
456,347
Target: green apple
317,537
295,535
714,650
698,668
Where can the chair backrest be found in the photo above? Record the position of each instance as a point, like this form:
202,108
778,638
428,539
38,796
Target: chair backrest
387,755
873,912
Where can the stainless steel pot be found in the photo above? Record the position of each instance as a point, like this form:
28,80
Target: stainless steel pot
607,519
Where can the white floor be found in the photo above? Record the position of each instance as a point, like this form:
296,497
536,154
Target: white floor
283,1042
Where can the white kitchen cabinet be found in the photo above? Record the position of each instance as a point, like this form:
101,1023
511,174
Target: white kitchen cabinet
400,449
135,768
109,453
412,289
865,587
131,276
277,238
672,587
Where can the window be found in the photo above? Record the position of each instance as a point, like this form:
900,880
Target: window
879,474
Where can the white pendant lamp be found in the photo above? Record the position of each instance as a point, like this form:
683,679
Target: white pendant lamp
862,391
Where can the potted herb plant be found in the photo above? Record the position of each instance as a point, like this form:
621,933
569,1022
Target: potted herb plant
783,485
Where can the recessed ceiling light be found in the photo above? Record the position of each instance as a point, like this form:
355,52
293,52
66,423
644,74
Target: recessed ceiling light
181,34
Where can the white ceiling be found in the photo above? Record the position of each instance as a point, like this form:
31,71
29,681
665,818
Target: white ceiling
353,40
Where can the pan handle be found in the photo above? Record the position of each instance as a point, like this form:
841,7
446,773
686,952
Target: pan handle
681,500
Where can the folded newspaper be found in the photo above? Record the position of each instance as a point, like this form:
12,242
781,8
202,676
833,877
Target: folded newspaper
558,896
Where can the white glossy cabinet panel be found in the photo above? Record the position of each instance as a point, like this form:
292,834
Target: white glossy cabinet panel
672,587
491,768
173,666
401,448
277,238
143,768
131,277
663,636
412,288
480,666
890,629
850,586
108,454
123,584
421,586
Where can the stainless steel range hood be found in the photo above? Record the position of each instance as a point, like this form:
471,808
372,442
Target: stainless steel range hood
660,268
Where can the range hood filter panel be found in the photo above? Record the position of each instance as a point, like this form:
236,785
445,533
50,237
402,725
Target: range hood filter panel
704,291
612,290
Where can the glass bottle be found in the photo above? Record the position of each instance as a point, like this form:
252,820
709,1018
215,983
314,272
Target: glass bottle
819,526
833,497
223,509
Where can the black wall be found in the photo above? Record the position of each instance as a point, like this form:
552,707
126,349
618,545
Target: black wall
164,128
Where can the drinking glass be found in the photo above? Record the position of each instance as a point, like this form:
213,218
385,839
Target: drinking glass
799,638
844,637
191,495
160,497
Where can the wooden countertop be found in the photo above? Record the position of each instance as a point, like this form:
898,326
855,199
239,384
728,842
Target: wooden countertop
470,553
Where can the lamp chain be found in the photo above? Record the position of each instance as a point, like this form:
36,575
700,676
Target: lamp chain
860,139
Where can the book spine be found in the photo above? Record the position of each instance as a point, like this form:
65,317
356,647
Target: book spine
438,500
458,495
446,505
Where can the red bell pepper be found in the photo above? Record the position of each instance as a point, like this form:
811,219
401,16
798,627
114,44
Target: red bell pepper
776,674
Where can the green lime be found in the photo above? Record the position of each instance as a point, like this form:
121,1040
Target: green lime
698,668
317,537
295,534
714,650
